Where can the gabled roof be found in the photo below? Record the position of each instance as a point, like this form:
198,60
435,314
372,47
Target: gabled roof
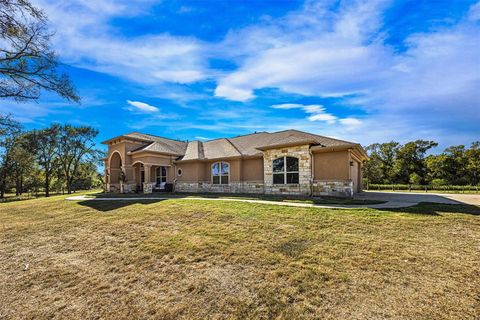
249,145
155,143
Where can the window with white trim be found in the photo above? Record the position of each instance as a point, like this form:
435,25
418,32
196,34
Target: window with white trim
161,175
220,173
285,170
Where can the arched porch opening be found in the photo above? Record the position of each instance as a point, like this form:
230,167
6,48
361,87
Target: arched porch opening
115,168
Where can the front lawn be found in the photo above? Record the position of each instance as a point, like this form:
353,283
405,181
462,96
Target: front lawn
226,260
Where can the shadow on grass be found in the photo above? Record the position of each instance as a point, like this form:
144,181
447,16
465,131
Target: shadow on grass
436,209
106,205
248,196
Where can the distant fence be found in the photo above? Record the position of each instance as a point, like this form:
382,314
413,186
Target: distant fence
424,188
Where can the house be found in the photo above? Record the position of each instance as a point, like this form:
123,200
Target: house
287,162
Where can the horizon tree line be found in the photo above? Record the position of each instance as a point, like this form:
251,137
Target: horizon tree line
394,163
62,156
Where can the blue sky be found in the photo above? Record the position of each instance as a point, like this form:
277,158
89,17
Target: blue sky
367,71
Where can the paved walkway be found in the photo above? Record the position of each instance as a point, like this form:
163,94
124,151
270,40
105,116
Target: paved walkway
416,197
389,204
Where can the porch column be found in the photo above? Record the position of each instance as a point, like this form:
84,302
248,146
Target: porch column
147,186
148,170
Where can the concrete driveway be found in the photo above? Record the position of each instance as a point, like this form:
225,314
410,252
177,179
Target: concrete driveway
414,198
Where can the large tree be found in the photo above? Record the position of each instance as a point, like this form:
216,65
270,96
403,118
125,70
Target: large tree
473,163
75,146
382,160
21,162
45,145
9,131
410,161
28,64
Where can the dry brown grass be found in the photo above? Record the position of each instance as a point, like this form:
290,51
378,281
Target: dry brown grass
222,260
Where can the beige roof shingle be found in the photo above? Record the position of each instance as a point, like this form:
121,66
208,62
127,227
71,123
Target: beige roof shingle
246,145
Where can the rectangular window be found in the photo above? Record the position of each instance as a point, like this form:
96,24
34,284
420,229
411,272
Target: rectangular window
216,180
279,178
285,170
292,177
225,179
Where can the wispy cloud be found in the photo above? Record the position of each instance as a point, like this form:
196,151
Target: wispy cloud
318,113
142,106
85,38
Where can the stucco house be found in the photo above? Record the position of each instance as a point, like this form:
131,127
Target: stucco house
287,162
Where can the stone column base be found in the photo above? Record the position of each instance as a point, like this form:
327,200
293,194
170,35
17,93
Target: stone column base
148,187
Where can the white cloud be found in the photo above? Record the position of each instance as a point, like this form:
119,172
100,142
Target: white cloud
85,38
312,52
141,106
430,85
318,112
201,138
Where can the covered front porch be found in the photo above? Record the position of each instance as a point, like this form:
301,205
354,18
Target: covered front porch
140,176
150,178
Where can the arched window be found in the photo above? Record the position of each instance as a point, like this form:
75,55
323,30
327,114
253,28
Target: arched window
220,173
285,170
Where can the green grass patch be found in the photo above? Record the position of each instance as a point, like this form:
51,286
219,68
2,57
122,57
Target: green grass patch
171,259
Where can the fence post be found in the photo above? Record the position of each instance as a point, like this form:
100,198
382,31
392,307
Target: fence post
426,189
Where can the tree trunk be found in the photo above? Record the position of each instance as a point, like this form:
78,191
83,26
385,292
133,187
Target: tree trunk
47,185
69,186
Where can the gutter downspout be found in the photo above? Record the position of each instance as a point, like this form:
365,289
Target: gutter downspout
174,175
312,170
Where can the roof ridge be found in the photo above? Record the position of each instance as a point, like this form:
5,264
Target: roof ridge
233,146
242,135
201,153
318,135
156,136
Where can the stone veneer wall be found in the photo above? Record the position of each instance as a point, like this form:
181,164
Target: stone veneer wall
233,187
304,167
336,188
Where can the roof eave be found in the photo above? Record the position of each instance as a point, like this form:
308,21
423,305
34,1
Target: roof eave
155,152
290,144
126,138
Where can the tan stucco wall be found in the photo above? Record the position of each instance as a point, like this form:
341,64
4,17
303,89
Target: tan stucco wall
191,172
252,169
331,165
152,159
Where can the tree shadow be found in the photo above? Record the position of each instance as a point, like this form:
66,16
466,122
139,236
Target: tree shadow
106,205
436,209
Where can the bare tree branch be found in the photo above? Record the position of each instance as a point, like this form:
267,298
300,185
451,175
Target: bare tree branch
28,65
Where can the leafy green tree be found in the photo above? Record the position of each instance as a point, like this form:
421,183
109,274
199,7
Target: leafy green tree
45,146
9,131
473,163
75,146
21,162
411,159
436,170
380,166
455,165
414,178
